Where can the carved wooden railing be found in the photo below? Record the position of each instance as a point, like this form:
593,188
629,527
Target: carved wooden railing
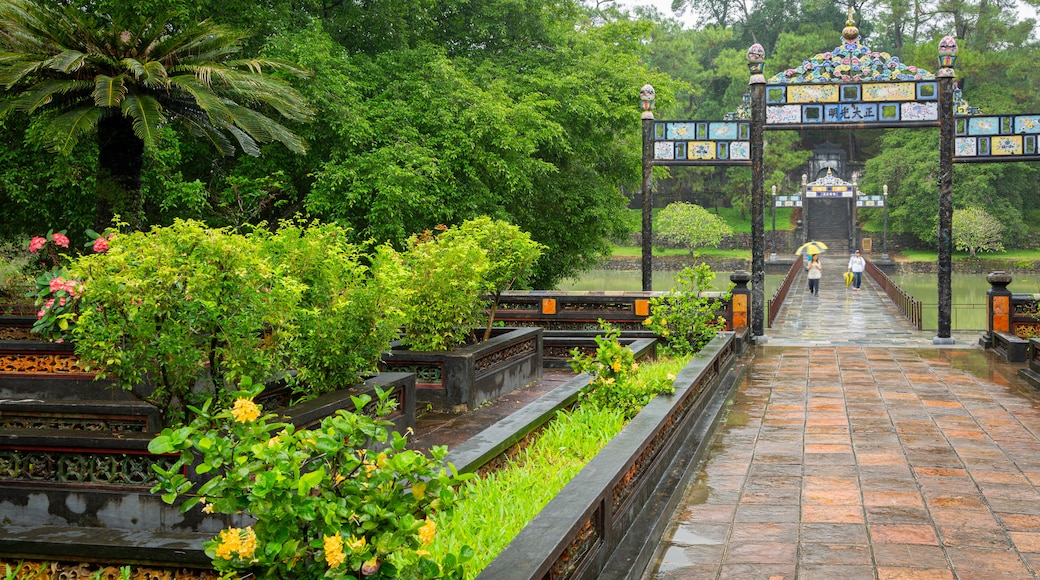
774,304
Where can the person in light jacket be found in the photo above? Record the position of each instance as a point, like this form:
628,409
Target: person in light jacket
815,273
856,265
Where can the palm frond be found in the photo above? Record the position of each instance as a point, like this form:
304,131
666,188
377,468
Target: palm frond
266,129
246,142
147,114
202,129
65,129
66,61
212,104
42,94
109,91
12,72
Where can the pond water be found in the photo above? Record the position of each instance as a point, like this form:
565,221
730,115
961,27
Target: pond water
969,299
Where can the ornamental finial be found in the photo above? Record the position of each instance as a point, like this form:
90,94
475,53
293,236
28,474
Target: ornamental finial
947,56
756,56
647,98
850,34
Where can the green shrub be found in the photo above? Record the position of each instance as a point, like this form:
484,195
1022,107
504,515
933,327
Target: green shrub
686,318
444,288
345,500
179,314
511,255
349,312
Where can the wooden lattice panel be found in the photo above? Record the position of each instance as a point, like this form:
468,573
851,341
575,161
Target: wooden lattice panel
43,363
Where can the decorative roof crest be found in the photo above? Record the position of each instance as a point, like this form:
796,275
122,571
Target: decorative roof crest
851,61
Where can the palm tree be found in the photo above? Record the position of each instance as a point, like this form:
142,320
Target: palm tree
122,84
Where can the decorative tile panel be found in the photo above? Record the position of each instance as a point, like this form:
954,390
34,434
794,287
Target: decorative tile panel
1006,145
919,111
812,94
889,92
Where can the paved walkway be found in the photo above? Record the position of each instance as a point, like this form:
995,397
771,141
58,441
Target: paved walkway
854,448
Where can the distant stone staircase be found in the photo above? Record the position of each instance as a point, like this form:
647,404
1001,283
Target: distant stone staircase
830,222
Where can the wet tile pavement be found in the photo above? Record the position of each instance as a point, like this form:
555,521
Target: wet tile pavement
854,448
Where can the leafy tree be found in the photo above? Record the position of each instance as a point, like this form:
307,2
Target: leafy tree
975,230
691,225
122,81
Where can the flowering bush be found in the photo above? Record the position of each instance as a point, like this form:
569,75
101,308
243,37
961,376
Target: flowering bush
686,318
613,369
345,500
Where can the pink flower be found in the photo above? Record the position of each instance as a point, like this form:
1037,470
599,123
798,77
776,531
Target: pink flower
36,244
60,239
101,245
57,283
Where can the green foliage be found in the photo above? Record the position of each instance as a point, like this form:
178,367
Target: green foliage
445,282
348,314
123,81
14,279
344,500
180,313
511,255
685,317
975,230
691,226
614,383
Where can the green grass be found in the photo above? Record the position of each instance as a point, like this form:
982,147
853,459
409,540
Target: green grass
501,503
931,255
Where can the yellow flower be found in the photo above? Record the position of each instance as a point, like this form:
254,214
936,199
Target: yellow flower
422,553
207,508
635,366
334,555
616,365
357,545
381,460
235,541
664,332
427,532
671,377
339,477
648,320
664,322
245,410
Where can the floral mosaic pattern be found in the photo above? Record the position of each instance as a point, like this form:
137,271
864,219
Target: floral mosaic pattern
784,114
1007,145
919,111
813,94
890,92
701,150
851,62
1027,124
664,150
965,147
740,150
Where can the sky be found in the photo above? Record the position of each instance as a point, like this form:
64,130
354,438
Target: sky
688,20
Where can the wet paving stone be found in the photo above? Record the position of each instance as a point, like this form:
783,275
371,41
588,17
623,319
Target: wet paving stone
868,452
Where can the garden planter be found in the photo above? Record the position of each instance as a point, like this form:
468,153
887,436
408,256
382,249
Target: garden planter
470,375
70,474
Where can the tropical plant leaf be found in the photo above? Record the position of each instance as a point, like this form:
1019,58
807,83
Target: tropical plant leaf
109,91
66,129
147,114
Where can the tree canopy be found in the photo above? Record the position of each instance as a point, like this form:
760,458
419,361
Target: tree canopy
439,111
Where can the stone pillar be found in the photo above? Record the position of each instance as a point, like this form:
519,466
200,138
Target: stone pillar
741,300
756,56
998,306
647,96
947,59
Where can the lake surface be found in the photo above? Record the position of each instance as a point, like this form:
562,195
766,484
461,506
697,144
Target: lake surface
969,299
969,291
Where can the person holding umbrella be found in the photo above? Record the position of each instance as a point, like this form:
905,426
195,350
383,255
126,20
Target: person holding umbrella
815,273
856,265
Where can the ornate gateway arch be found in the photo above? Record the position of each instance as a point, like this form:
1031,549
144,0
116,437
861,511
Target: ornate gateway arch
850,86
